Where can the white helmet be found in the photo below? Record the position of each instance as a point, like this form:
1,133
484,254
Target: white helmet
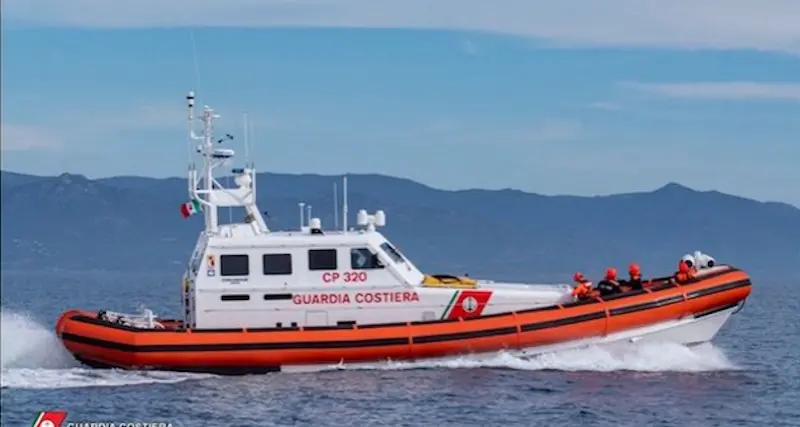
689,260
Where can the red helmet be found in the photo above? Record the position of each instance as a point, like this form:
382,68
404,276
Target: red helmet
611,273
634,269
577,276
683,267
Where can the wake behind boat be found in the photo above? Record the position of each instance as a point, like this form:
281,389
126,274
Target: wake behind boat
257,300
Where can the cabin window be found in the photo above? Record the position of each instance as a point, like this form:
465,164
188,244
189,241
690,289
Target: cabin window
277,264
392,252
322,259
234,265
235,297
364,259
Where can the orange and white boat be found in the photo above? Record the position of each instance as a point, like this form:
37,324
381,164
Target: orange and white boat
257,300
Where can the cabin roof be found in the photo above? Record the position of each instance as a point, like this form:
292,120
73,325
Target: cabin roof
242,235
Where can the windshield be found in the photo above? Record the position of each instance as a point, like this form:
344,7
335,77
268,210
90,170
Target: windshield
392,252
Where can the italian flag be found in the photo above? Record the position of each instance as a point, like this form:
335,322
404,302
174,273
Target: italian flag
190,208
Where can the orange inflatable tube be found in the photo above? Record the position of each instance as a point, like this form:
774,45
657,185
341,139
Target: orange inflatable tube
100,343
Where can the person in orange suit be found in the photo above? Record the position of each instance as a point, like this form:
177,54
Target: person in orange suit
692,272
683,273
634,281
609,285
583,287
693,263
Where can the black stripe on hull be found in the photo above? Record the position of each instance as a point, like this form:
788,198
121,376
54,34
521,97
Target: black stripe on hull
404,341
215,370
715,310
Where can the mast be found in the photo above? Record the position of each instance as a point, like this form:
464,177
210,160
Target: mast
335,207
344,203
206,149
213,195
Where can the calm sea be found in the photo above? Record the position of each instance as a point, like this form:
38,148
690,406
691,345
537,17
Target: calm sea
749,376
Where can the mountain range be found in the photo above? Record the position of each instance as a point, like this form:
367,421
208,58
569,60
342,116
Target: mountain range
128,223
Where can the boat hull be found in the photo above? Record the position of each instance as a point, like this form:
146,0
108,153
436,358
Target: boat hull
689,331
665,311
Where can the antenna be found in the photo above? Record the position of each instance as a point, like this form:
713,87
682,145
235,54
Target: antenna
194,57
251,133
230,208
301,204
246,145
190,98
309,214
344,204
335,206
190,123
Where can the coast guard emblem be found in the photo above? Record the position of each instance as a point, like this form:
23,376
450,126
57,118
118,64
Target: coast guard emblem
470,304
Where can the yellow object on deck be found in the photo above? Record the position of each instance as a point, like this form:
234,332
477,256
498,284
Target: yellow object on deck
447,281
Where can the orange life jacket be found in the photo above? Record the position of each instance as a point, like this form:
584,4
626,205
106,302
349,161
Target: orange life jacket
582,288
684,272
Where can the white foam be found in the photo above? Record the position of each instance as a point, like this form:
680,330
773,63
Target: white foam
33,357
87,377
28,344
642,357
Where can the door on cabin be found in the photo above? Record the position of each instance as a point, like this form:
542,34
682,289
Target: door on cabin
316,318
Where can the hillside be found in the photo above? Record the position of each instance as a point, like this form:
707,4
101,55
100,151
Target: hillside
70,222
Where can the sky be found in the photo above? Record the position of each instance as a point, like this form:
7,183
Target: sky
566,97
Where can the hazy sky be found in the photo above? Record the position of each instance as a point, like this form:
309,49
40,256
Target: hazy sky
553,97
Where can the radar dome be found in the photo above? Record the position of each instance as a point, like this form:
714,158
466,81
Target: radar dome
244,180
362,218
380,218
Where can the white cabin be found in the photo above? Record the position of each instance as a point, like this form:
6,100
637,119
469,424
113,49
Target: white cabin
247,276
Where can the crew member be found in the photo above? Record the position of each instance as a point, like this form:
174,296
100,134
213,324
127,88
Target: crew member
682,275
693,263
583,287
634,281
689,260
609,285
692,271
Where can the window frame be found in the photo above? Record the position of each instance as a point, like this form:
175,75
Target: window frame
326,267
376,261
392,252
222,263
264,264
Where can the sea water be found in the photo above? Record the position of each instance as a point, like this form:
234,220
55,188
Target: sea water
748,376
